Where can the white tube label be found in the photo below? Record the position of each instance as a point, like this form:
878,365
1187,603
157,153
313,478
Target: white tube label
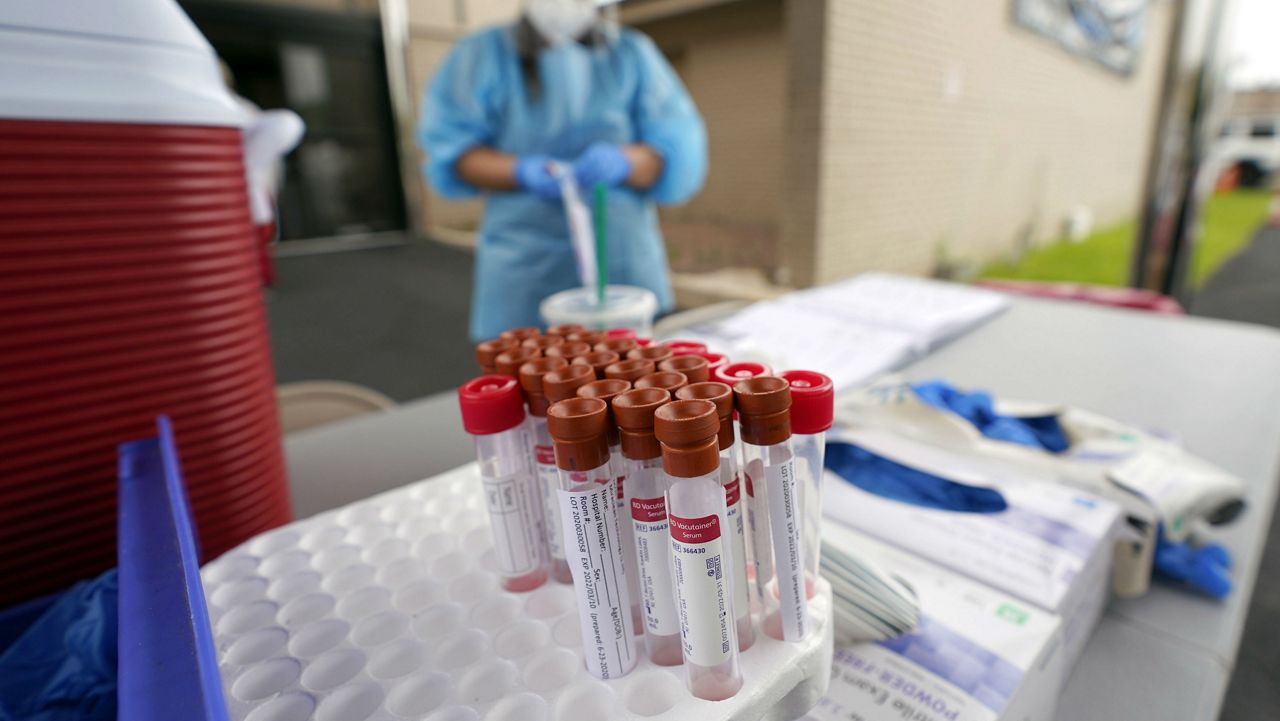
513,521
758,528
549,482
738,547
781,489
697,565
594,552
649,516
627,534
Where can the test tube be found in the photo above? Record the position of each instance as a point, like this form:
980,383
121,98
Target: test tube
487,351
520,334
758,533
700,567
629,369
654,353
621,346
686,347
542,342
596,557
598,360
566,329
541,452
764,413
714,360
812,413
558,385
508,362
493,412
590,337
695,368
606,390
647,487
721,396
731,373
669,381
568,350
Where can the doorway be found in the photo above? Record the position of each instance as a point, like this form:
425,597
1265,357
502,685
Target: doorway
343,179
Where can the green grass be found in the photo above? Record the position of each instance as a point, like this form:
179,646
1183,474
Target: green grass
1229,221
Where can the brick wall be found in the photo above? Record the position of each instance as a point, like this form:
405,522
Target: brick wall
732,60
945,126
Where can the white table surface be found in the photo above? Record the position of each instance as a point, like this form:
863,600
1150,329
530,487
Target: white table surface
1164,657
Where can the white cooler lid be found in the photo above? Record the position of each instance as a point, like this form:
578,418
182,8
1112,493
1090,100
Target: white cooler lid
140,61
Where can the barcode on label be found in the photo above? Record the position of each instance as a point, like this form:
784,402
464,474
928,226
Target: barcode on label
713,567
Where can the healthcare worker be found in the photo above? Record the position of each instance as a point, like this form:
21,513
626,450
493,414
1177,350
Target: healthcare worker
560,84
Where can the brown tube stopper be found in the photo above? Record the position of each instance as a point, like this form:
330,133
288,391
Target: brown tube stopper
567,350
577,427
687,431
520,334
719,394
598,360
487,351
634,411
654,353
695,368
629,370
542,342
531,374
621,346
566,329
764,409
669,381
606,390
563,383
508,362
590,337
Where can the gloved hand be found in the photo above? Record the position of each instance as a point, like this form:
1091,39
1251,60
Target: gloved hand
603,163
533,173
1204,568
979,409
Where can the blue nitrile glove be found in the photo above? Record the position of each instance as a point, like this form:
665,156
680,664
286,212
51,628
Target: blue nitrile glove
533,173
1204,568
603,163
895,481
63,667
1045,433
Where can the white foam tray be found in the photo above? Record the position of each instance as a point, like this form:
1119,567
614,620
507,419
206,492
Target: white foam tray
390,609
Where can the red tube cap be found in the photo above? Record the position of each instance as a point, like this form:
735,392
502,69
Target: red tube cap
686,347
731,373
715,360
620,333
491,404
813,401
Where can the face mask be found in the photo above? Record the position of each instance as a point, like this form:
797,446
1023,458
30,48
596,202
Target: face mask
561,21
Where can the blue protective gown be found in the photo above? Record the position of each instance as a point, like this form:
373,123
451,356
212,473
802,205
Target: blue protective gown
623,92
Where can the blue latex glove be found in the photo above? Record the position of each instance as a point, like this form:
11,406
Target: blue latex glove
1204,568
885,478
978,408
63,667
603,163
533,173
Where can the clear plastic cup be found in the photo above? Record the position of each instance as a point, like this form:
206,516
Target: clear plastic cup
625,306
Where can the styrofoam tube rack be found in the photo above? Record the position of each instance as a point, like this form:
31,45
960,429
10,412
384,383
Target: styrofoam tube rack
391,609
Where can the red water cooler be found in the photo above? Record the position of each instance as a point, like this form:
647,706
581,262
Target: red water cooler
130,286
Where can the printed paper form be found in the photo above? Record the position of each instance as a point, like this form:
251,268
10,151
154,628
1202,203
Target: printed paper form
850,353
854,330
931,311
